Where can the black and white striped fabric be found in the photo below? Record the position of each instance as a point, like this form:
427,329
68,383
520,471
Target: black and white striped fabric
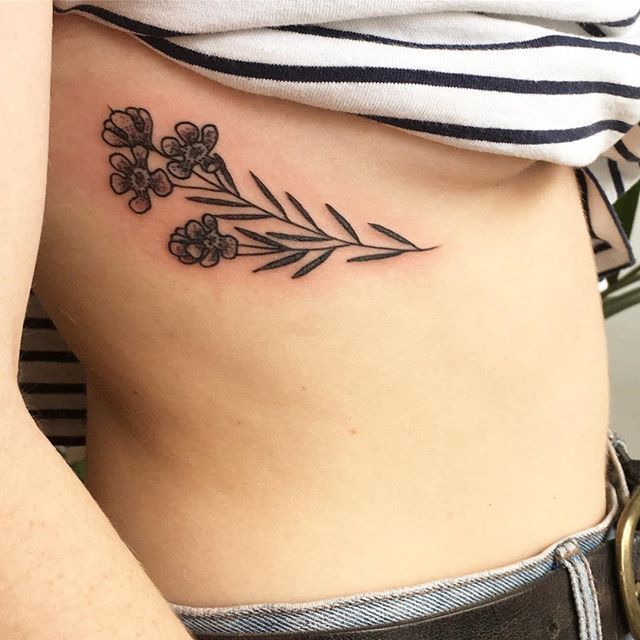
544,79
51,379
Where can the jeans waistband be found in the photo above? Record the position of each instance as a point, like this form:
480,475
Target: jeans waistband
430,598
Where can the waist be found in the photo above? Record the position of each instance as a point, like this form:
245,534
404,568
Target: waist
225,511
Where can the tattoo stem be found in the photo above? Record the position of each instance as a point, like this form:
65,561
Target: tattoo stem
188,186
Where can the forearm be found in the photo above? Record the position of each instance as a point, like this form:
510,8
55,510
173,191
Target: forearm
66,573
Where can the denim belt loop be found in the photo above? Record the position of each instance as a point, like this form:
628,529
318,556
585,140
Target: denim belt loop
571,557
615,473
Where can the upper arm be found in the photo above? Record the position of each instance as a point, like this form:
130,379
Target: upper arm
25,44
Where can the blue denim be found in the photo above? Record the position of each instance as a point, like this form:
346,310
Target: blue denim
439,596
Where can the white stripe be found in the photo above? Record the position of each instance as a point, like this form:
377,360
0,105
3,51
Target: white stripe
215,16
551,63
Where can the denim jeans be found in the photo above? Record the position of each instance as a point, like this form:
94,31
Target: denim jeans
439,596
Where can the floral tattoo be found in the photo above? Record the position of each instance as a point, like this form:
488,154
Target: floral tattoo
189,161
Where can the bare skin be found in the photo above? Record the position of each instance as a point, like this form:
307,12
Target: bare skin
365,427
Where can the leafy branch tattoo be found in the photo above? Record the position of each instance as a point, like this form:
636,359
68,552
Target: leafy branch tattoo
189,161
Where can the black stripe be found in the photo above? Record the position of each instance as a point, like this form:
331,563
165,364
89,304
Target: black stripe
600,245
584,199
613,214
59,414
38,323
544,42
622,23
624,151
62,388
512,136
391,75
34,355
615,176
67,441
593,30
129,24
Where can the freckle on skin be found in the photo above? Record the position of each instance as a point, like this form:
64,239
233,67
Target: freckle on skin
354,431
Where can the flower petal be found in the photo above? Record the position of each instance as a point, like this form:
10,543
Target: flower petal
210,222
160,183
112,138
179,232
180,169
141,203
229,246
177,248
194,230
209,136
124,121
119,183
140,154
188,132
211,258
141,120
171,146
196,250
146,119
120,162
132,112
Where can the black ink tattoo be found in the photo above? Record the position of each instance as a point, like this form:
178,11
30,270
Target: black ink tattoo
191,157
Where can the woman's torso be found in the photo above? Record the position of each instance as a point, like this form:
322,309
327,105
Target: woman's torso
258,438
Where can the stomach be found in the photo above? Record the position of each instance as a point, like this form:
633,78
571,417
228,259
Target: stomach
369,424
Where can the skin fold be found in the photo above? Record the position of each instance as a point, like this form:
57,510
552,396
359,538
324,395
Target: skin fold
258,438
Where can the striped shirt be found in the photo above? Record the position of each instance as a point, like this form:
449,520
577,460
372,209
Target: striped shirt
540,79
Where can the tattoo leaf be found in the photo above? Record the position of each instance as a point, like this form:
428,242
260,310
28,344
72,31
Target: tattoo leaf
303,212
281,262
310,266
343,222
391,234
297,238
227,179
260,238
217,201
375,256
268,195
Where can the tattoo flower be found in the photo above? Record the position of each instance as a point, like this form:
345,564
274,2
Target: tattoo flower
128,128
192,150
137,177
202,243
